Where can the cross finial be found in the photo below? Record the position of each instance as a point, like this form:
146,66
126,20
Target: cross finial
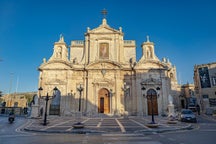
61,39
104,13
147,37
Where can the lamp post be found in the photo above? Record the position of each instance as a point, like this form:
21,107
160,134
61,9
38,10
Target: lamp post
80,89
110,95
125,89
151,96
47,98
78,124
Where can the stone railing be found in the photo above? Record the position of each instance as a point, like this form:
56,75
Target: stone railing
77,43
129,42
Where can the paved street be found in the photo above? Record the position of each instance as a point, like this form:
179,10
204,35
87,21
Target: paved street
109,131
134,125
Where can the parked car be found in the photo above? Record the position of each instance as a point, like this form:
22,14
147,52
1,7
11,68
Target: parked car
187,115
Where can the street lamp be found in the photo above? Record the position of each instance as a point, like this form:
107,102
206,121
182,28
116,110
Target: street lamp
125,89
80,89
151,96
110,95
47,98
79,124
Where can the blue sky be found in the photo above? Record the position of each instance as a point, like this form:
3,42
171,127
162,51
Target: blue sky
183,31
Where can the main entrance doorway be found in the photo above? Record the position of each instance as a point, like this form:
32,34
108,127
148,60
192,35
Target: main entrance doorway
152,102
103,101
55,104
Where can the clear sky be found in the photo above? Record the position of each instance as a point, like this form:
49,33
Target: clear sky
182,30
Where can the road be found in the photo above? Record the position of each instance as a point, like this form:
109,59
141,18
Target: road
204,132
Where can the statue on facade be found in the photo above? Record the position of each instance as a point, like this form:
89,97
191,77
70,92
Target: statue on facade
34,107
171,111
170,98
34,100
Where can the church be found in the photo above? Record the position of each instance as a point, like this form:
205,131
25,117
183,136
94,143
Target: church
100,75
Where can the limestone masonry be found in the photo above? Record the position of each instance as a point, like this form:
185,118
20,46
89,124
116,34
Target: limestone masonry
113,82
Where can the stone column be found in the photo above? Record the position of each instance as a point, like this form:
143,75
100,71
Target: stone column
35,107
34,111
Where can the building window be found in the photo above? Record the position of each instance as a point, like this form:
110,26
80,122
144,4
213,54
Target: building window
205,96
104,51
214,81
212,102
204,77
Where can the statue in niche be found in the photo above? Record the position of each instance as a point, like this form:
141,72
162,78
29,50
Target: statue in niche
75,60
58,52
149,54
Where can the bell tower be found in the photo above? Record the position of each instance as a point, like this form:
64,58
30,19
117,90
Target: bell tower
148,52
60,51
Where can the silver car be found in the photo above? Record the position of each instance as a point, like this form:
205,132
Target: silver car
187,115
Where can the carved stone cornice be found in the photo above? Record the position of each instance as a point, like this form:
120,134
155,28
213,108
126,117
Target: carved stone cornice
103,82
55,82
151,81
104,64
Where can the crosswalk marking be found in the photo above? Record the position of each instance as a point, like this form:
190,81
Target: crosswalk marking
56,124
140,124
85,120
121,126
81,122
99,124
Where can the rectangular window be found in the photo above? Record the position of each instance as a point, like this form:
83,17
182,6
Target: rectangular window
204,77
205,96
212,102
214,81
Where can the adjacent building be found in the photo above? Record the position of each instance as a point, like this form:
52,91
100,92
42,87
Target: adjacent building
187,97
15,100
100,74
205,85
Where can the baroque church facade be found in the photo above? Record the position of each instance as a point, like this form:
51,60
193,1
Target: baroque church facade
100,74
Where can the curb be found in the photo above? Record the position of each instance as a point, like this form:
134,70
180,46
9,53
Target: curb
77,131
188,127
88,131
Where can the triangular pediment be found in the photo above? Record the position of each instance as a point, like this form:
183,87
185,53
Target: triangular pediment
104,28
56,65
150,64
104,65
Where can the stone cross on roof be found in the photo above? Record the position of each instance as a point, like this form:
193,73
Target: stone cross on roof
104,13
